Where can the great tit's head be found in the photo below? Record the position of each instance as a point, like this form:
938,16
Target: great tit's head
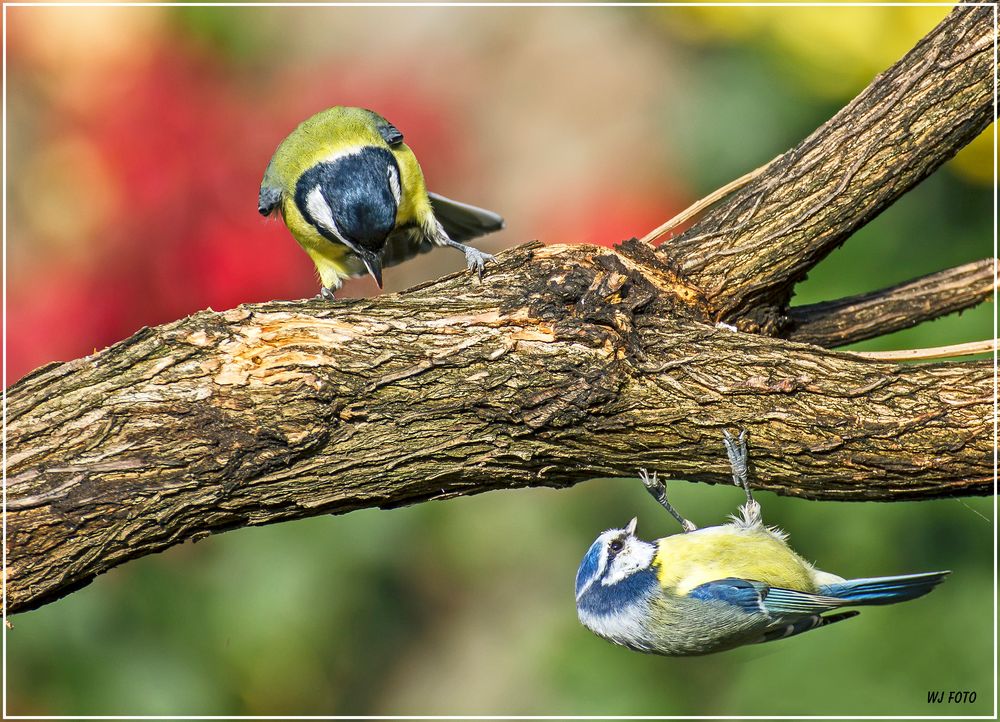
352,199
614,557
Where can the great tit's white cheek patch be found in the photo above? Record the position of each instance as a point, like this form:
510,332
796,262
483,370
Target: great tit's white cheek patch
320,211
394,183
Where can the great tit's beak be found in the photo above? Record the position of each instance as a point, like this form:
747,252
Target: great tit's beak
630,527
373,263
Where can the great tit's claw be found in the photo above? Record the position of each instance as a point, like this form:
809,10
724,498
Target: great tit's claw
476,260
325,294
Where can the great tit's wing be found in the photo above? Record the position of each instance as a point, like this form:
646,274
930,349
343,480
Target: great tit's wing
403,244
462,221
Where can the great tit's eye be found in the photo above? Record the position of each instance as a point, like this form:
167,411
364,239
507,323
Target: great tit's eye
616,546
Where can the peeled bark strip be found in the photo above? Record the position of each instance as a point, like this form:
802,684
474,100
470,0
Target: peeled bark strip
747,253
870,315
567,363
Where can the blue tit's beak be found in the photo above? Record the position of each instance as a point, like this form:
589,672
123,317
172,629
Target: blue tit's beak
630,527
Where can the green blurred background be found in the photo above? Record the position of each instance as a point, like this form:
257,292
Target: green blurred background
137,137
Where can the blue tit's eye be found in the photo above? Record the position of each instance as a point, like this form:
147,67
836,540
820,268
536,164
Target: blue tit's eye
616,546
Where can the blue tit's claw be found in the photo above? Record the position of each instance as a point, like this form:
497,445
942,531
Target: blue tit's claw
476,260
658,490
325,294
651,482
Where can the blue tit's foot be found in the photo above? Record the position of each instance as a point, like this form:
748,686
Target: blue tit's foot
325,294
739,460
659,491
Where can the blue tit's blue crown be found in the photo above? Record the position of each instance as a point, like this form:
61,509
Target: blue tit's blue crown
589,566
358,191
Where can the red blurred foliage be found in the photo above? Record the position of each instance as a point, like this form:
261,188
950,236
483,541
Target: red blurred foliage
186,146
184,139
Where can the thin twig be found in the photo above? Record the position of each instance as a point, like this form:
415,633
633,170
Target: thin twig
914,354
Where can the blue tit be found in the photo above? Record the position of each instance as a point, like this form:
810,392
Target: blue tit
708,590
352,194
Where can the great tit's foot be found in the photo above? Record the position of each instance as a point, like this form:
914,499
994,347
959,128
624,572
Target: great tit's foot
476,260
659,491
325,294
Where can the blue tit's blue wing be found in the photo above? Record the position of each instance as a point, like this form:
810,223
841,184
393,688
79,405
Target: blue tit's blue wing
778,601
745,595
783,630
752,596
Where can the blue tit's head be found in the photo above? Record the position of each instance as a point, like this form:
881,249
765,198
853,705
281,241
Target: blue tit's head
615,571
352,198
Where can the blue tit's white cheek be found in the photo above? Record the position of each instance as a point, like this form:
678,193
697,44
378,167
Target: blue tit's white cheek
635,556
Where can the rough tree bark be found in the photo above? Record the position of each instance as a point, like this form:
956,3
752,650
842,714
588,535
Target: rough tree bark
565,363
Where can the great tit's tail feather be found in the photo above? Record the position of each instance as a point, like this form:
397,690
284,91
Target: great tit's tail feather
462,221
884,590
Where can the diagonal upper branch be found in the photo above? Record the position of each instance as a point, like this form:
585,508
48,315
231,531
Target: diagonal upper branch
747,253
868,315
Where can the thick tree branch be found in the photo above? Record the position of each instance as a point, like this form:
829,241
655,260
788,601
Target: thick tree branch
856,318
567,363
746,255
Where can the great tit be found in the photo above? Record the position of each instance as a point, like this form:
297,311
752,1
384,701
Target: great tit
708,590
353,195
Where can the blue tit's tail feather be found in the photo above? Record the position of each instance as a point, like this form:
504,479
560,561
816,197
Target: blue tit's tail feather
803,625
884,590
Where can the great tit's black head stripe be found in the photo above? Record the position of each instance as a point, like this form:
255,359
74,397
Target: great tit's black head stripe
349,198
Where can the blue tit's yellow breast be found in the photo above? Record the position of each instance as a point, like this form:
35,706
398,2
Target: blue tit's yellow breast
685,561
